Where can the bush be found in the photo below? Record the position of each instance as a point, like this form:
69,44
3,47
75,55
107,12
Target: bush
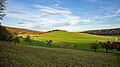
27,39
49,42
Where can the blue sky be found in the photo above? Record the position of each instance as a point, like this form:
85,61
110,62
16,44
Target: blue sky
71,15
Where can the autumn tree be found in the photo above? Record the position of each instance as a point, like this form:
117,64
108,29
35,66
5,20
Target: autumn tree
94,46
107,45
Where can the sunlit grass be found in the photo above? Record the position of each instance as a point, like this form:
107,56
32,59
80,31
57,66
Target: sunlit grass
80,40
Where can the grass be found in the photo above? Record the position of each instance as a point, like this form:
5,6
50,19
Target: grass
34,56
82,41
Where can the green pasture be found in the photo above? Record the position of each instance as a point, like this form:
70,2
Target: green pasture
76,40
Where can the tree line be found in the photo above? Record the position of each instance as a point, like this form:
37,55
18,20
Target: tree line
109,45
104,32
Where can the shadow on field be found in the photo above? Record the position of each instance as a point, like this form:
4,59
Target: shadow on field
81,46
76,46
38,43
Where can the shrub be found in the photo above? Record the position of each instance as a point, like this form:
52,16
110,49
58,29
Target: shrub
27,39
49,42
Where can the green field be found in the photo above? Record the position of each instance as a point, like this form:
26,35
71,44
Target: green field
38,54
34,56
80,41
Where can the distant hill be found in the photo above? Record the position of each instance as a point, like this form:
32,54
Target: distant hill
22,31
115,31
72,37
57,30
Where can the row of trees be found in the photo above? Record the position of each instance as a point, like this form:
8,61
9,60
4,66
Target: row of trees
115,31
106,45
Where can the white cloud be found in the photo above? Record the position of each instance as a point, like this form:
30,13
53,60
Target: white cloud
86,21
106,16
110,14
54,10
118,12
27,25
45,17
72,19
65,15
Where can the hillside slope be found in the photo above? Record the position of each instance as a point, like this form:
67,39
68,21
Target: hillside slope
22,31
71,36
70,40
115,31
79,41
29,56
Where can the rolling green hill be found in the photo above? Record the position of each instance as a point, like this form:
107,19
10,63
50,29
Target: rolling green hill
25,54
59,37
70,39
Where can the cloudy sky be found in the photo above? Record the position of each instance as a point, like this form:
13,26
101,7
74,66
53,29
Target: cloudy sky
71,15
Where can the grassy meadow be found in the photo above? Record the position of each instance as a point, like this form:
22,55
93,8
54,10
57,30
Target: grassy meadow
39,54
34,56
59,33
79,41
